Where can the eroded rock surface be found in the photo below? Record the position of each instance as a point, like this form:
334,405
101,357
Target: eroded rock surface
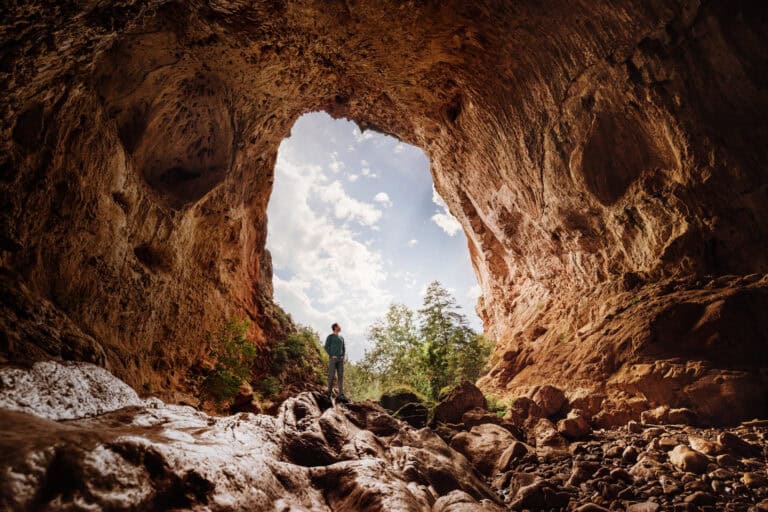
606,160
155,456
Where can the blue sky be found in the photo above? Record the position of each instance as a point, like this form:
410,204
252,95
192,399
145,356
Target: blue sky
354,224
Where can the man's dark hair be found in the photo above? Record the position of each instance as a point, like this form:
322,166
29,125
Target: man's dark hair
334,326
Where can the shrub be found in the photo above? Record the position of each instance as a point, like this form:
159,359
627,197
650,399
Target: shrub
400,389
269,386
234,354
495,405
444,392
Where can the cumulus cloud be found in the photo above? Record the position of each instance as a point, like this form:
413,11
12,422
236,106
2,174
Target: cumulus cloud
362,136
383,198
443,217
324,273
336,165
412,242
346,207
352,177
474,292
399,147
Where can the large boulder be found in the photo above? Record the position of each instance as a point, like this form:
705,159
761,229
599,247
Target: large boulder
310,456
479,416
574,426
483,445
550,444
689,460
461,399
413,413
396,398
551,400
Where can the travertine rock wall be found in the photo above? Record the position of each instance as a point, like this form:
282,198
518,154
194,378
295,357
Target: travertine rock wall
607,161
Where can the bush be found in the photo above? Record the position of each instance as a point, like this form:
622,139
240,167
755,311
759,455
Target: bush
444,392
234,354
401,389
495,405
268,387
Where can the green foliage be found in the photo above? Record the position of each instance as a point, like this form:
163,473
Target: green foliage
426,351
234,354
496,406
444,392
402,389
269,386
299,357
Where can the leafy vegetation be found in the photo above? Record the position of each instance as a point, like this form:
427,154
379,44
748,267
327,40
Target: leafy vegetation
495,405
234,354
427,351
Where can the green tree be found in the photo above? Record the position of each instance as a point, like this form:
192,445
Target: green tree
234,354
424,351
444,330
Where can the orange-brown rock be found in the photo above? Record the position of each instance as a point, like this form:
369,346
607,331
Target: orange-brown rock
606,160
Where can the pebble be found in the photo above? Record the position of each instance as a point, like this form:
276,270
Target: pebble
652,468
688,460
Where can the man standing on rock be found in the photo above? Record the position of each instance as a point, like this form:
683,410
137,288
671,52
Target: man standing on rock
334,346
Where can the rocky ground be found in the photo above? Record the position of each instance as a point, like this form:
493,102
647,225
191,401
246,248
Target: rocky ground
74,437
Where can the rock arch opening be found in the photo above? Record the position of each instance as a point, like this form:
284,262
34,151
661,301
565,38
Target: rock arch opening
355,225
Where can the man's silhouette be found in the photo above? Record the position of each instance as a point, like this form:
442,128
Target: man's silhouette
334,346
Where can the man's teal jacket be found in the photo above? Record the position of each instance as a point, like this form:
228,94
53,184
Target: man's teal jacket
334,345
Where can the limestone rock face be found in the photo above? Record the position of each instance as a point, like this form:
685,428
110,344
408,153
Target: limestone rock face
153,456
607,163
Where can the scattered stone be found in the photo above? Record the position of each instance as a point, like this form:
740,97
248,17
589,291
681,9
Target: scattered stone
634,427
414,413
514,452
681,416
582,471
621,474
395,399
483,445
459,400
629,454
549,442
754,480
646,506
704,446
689,460
738,446
550,399
574,426
479,416
591,507
245,401
727,460
657,416
523,408
700,498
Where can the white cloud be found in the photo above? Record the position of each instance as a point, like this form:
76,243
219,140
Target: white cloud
399,147
444,219
336,165
329,275
365,171
352,177
383,198
364,163
362,136
412,242
474,292
346,207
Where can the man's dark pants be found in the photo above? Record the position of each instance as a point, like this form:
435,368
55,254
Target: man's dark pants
336,365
